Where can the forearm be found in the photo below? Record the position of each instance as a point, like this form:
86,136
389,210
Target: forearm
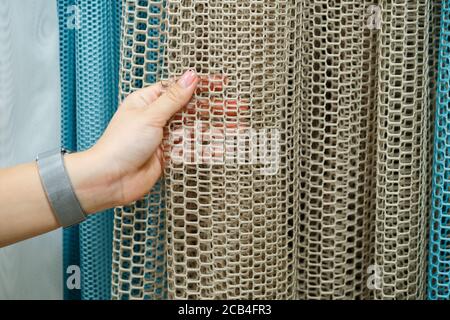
25,211
121,167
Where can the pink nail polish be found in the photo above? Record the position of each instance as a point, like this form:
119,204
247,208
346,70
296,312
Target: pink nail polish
187,79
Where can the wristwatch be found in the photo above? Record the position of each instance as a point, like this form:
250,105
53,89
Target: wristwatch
58,188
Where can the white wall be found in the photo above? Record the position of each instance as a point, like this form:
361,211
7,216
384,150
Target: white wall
29,124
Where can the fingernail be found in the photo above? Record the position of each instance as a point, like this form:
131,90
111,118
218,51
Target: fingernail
187,79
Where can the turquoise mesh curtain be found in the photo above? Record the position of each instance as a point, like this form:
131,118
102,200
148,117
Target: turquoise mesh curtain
90,61
89,34
71,248
439,256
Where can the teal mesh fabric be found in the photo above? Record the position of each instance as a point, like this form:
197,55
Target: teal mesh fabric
439,256
97,52
89,85
358,168
71,253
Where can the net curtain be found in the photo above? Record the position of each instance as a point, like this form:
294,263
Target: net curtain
89,59
392,205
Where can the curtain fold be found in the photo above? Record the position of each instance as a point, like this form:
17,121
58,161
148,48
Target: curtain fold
439,247
349,105
90,55
71,248
354,105
337,86
139,245
29,125
402,162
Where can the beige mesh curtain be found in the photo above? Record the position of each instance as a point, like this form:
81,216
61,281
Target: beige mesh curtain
342,100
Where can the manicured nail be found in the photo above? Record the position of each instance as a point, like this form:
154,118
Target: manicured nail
187,79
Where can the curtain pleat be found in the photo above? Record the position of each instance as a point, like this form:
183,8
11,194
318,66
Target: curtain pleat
346,215
439,247
139,245
402,120
90,66
360,101
71,239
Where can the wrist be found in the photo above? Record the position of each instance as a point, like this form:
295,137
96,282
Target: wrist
95,189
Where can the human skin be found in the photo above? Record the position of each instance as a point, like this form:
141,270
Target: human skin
120,168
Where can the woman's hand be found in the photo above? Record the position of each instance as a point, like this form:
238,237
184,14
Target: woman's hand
121,167
128,160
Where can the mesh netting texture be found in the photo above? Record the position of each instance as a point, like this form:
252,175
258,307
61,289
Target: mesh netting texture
71,248
97,65
90,53
231,220
350,104
439,257
364,160
139,250
402,160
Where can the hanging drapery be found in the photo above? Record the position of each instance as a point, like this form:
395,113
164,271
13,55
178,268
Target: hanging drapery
89,33
345,213
230,217
402,143
336,207
29,124
439,256
71,248
139,247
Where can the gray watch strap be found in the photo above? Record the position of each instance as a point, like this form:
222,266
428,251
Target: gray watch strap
58,188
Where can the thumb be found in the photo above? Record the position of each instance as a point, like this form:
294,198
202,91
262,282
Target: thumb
174,98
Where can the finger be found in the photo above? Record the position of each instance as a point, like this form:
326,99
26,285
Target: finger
144,97
174,98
